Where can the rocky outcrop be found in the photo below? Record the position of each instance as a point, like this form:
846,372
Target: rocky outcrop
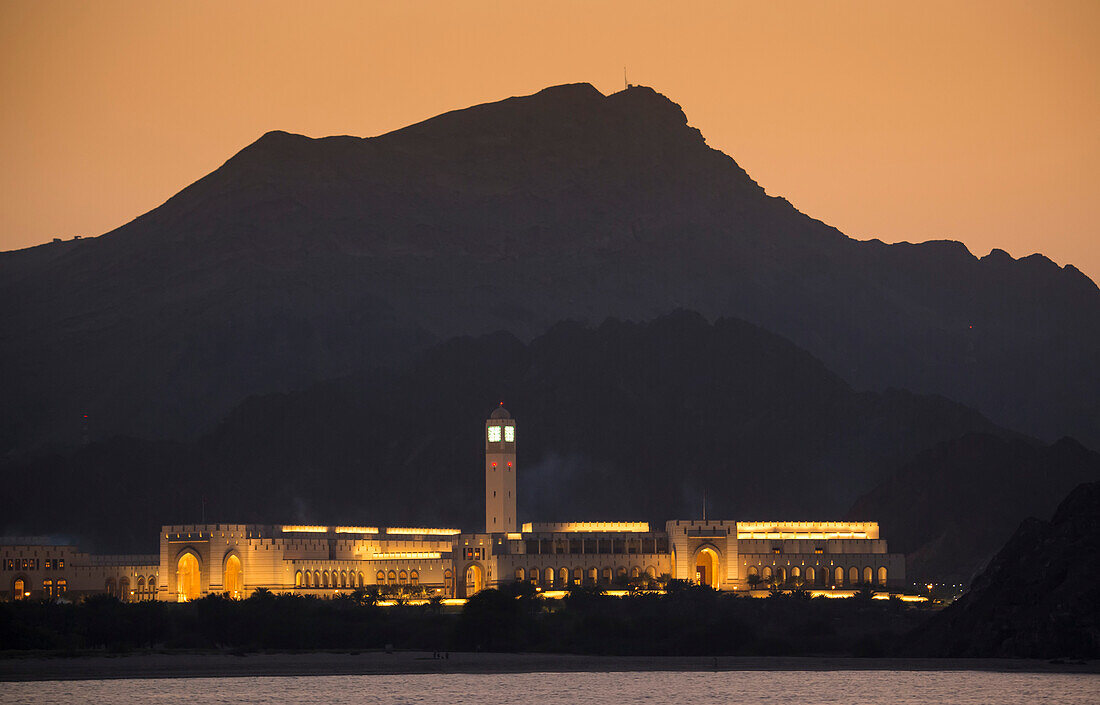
1039,597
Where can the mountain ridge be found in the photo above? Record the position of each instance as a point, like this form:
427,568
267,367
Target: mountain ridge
302,259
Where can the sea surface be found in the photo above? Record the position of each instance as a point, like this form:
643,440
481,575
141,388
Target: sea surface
803,687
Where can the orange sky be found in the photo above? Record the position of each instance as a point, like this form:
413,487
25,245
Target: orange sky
903,121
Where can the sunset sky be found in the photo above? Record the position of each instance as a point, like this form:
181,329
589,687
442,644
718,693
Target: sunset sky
973,121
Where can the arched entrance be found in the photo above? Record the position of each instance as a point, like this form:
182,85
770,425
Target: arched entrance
234,577
188,578
19,589
475,580
706,567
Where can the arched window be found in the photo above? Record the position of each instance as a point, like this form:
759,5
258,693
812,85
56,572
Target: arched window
753,570
62,586
578,575
324,579
635,572
391,577
882,575
316,578
621,572
767,573
309,579
380,578
593,576
868,575
343,578
448,578
110,587
839,576
651,573
47,588
140,588
563,577
607,576
361,580
298,579
19,589
124,590
796,572
781,575
234,577
853,575
150,584
548,577
809,576
519,575
188,578
534,573
403,577
414,577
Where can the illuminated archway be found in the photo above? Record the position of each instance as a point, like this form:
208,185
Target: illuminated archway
18,589
882,575
706,567
188,577
839,576
868,575
234,577
475,580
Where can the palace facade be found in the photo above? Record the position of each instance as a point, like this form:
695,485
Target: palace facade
201,559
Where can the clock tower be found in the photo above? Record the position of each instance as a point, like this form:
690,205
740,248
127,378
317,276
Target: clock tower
500,472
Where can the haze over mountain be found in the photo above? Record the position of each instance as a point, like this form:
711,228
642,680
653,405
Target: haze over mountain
306,259
1039,597
952,507
623,421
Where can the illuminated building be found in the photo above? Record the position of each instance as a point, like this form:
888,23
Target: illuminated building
235,559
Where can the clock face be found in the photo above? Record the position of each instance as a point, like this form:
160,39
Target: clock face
510,434
494,434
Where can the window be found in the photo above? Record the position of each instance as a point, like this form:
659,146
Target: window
494,434
414,577
298,579
60,562
62,586
776,549
380,578
509,434
819,549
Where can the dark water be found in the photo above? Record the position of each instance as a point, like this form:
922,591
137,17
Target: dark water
803,687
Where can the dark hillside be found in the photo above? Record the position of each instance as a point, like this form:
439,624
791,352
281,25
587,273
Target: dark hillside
620,421
1039,598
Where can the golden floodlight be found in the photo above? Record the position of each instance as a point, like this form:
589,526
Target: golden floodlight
422,532
305,529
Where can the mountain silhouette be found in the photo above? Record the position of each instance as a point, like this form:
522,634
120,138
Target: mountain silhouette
302,259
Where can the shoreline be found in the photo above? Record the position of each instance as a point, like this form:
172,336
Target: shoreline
35,667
